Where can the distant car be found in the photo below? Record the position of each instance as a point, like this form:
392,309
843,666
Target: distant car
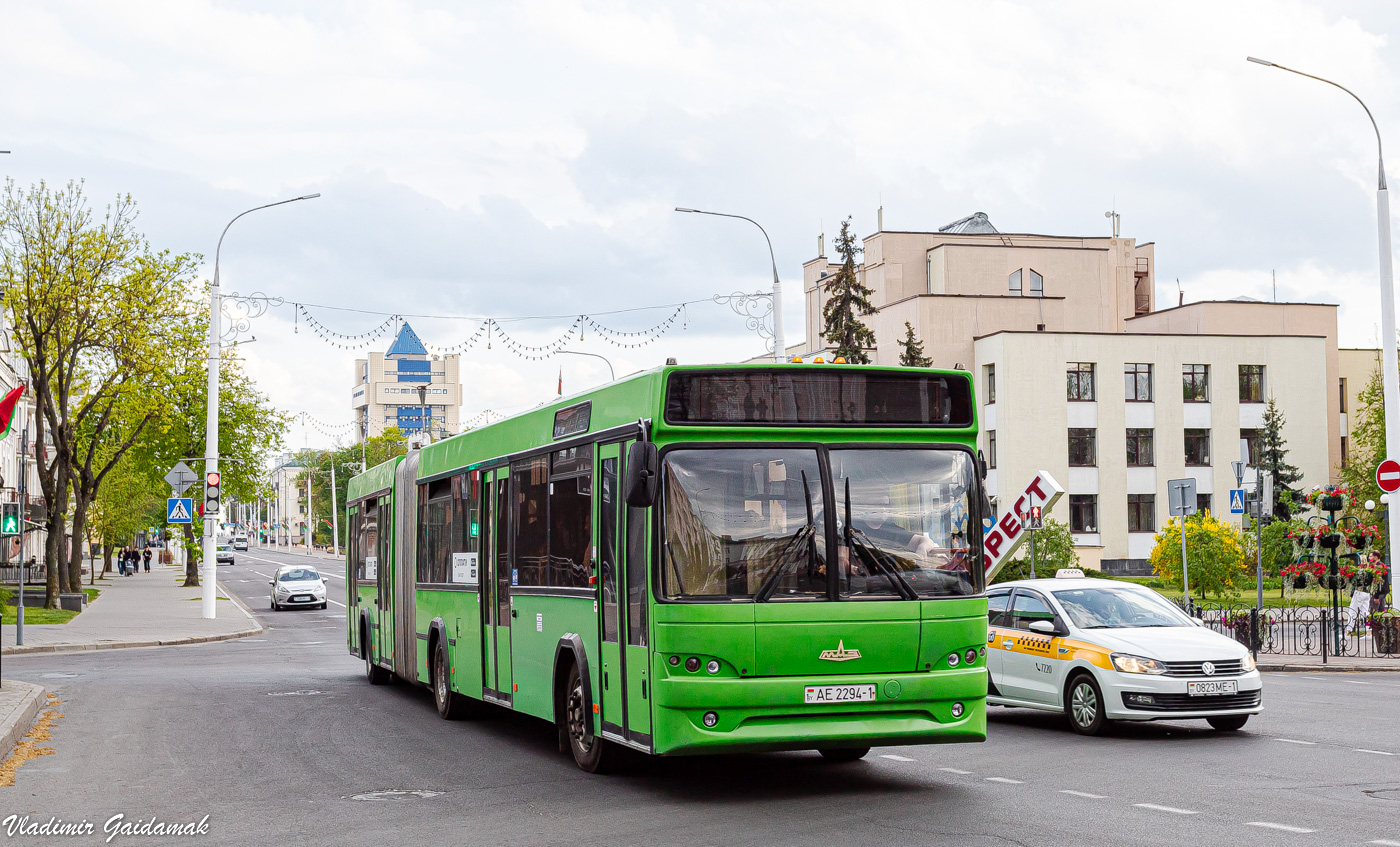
298,585
240,543
223,553
1102,650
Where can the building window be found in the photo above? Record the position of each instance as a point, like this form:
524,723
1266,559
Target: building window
1013,283
1037,284
1202,503
991,448
1251,383
1139,448
1142,513
1083,452
1344,452
1251,438
1080,376
1197,447
991,371
1195,383
1137,383
1083,513
1342,393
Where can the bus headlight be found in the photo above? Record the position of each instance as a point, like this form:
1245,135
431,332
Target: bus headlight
1137,664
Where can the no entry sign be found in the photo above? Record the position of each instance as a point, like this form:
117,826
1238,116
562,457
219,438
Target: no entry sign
1388,475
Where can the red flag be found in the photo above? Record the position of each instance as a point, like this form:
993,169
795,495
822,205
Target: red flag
561,382
7,409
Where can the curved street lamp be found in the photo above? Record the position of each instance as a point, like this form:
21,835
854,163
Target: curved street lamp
1390,367
612,375
211,412
779,343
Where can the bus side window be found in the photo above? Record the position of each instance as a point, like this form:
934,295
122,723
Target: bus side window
607,543
636,576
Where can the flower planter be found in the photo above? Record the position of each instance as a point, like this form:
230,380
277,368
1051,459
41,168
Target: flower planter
1330,503
1386,635
1300,582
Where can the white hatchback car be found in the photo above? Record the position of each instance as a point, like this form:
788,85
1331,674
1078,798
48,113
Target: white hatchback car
1101,650
298,585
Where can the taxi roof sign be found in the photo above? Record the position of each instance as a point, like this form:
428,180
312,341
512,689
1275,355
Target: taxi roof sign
1069,573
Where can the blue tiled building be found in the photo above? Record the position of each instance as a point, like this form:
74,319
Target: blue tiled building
408,388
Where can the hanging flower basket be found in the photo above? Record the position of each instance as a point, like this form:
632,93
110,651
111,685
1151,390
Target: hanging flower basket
1303,573
1330,498
1362,537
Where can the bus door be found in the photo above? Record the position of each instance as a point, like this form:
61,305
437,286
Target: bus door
499,633
384,587
612,678
486,583
636,659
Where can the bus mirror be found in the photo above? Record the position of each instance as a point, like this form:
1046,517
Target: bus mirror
643,470
981,464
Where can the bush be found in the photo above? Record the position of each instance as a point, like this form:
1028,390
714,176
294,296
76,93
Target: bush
1214,549
1054,549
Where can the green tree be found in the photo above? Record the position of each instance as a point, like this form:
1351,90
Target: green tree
1215,550
848,300
1274,459
1054,549
911,350
126,502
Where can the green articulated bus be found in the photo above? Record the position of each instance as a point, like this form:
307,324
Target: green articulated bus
692,560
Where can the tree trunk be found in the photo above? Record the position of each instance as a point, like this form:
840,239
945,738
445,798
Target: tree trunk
79,529
106,558
191,559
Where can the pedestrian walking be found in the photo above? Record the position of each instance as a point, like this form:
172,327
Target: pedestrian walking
146,555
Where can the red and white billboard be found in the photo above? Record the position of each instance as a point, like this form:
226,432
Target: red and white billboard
1007,536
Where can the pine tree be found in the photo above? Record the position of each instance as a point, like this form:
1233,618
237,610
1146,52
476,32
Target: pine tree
911,350
1273,456
848,300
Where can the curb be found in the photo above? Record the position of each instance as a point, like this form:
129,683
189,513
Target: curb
256,629
22,718
1323,669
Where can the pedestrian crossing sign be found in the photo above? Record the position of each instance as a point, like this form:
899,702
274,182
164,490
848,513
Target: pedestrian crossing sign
1237,501
178,510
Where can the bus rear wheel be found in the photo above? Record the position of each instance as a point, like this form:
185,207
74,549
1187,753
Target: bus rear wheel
844,754
374,673
591,753
450,705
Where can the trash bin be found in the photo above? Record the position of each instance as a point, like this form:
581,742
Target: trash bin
72,602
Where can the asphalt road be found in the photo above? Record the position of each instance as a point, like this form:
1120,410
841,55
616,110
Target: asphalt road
279,738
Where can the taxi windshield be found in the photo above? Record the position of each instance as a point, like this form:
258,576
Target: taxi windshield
1115,608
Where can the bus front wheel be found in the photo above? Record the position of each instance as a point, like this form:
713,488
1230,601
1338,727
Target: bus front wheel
591,752
374,673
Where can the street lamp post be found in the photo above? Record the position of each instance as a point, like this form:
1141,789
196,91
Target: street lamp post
423,407
612,375
211,412
779,343
1390,368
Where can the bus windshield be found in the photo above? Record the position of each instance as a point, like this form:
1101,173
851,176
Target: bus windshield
753,523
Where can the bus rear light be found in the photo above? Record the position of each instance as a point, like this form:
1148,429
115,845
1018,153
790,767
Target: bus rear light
710,719
953,660
970,656
692,664
675,660
712,666
957,710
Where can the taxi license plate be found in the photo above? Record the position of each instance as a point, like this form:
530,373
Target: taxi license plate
1221,686
840,693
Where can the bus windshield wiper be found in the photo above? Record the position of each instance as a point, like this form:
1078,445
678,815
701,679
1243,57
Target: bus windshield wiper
875,559
806,533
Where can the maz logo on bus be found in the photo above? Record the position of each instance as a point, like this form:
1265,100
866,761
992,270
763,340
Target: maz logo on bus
840,654
1004,539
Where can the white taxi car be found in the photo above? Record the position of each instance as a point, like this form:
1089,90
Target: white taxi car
1101,650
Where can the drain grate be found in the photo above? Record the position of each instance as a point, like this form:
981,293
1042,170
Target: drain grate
395,794
306,692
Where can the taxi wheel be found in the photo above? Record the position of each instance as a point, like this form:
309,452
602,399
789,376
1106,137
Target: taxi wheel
1228,723
1085,707
844,754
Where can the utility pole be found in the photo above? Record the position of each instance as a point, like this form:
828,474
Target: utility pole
335,514
309,513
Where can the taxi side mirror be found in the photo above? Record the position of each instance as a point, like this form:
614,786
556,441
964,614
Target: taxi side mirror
1043,627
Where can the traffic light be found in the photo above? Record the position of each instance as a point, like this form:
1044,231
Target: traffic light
9,519
1035,518
211,493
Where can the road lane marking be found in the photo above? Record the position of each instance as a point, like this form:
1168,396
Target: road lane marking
1279,826
1154,807
1383,843
896,758
280,564
1294,741
1005,780
1377,752
1084,794
1355,682
956,771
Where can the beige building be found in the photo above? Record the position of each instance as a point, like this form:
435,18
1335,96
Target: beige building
1079,374
386,387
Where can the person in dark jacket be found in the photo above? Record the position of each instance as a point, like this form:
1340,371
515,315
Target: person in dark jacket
146,557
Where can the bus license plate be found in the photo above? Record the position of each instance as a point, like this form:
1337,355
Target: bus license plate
840,693
1220,686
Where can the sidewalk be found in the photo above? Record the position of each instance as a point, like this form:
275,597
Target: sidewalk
1313,664
146,610
20,703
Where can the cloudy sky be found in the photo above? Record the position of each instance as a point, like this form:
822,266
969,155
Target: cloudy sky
521,159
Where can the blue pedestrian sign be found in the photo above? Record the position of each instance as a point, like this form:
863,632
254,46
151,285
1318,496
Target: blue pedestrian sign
179,510
1237,501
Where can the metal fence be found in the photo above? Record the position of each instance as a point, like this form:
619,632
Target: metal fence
1303,631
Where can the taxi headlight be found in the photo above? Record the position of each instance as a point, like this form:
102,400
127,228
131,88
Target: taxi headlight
1247,663
1137,664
